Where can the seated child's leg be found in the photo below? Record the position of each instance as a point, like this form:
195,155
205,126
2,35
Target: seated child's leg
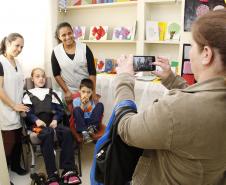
65,138
96,115
47,147
79,119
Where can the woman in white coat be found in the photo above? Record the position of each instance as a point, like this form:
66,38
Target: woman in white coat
11,91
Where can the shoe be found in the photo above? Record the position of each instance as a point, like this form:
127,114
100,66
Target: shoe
11,183
19,171
86,137
92,130
53,180
71,177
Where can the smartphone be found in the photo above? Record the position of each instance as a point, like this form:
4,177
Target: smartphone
143,63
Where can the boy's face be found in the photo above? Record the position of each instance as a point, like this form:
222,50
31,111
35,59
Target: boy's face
86,93
39,78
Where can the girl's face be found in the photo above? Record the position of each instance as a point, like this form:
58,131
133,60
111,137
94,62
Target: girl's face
66,36
86,92
39,78
15,47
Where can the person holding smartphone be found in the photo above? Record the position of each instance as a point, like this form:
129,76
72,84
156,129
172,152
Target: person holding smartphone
183,133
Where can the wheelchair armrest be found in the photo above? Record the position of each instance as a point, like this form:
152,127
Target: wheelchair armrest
23,114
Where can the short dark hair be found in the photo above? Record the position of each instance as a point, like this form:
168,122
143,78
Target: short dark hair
87,83
59,26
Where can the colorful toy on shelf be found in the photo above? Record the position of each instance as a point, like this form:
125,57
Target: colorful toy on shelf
98,33
62,5
162,30
122,33
173,31
109,65
100,66
76,2
152,31
174,67
79,32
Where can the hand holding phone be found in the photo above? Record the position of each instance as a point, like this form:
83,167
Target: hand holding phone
143,63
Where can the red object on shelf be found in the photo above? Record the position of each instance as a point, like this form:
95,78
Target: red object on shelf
204,1
189,78
77,2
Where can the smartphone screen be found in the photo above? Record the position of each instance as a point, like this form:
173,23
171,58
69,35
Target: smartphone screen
143,63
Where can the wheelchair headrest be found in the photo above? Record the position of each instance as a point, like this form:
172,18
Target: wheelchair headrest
29,84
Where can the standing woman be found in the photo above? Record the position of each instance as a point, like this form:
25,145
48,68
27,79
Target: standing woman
71,61
11,91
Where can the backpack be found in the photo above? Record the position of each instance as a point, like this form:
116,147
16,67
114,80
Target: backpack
114,161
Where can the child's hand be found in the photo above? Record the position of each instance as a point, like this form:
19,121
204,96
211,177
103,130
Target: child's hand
84,100
40,123
53,124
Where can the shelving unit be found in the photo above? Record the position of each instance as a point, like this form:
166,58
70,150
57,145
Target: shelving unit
101,5
125,14
110,41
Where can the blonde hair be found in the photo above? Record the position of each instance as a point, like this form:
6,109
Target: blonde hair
35,69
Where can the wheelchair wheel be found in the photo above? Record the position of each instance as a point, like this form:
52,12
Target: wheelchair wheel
25,156
38,179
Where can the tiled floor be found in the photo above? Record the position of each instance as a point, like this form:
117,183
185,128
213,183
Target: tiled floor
87,155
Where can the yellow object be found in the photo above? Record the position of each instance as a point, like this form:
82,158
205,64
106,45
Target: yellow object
122,0
162,30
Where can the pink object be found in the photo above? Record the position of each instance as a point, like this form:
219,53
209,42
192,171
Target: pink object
204,1
187,67
202,9
54,183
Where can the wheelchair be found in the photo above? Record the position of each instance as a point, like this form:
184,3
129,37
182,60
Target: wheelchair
31,145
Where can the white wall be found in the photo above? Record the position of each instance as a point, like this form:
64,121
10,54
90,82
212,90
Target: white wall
34,20
28,18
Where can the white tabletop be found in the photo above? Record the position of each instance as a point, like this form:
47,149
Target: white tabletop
145,93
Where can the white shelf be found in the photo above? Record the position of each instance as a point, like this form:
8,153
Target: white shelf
110,41
162,1
125,13
102,5
162,42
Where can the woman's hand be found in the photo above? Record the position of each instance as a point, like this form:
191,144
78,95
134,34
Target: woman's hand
125,64
53,124
68,96
40,123
20,108
165,66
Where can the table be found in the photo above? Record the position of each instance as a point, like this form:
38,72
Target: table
145,93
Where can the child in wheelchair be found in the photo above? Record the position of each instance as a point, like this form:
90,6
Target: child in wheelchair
87,114
45,116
